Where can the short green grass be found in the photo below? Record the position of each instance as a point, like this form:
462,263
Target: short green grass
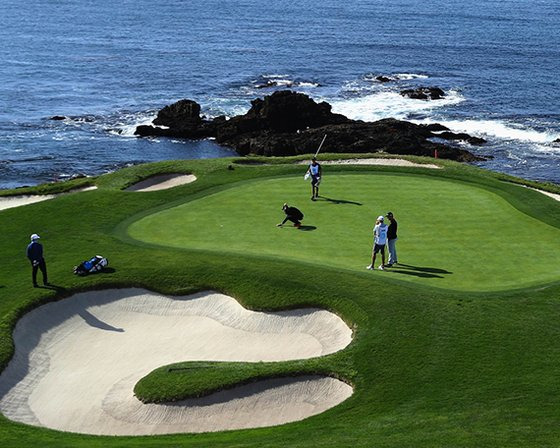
451,234
430,367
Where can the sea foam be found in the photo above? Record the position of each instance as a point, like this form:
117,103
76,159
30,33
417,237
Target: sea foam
500,129
389,104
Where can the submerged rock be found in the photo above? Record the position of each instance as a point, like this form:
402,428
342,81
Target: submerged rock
289,123
424,93
383,78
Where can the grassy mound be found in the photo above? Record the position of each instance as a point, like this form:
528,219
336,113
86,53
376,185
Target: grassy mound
197,379
433,363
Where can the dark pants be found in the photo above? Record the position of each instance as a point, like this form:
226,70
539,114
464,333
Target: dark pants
315,186
293,219
40,265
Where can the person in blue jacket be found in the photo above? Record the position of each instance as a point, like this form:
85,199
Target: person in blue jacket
35,255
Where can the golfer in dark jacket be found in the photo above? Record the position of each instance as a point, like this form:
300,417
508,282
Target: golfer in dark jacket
392,239
35,255
292,214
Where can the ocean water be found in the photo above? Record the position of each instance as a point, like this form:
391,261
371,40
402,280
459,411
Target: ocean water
110,66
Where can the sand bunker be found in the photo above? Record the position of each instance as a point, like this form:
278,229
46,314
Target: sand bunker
374,161
77,361
548,193
162,182
17,201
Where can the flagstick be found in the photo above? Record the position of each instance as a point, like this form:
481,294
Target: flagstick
321,145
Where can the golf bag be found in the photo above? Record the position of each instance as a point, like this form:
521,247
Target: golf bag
94,264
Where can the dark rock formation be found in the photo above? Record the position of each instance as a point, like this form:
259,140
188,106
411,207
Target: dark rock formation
58,117
383,78
435,127
556,141
461,136
289,123
179,114
424,93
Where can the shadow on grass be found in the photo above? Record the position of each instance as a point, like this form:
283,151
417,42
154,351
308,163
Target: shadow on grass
53,287
414,273
339,201
95,322
307,228
423,269
418,271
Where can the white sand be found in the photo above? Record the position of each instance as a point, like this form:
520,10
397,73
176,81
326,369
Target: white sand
162,182
374,161
77,361
19,200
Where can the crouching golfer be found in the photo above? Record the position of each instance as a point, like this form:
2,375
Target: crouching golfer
35,255
292,214
379,241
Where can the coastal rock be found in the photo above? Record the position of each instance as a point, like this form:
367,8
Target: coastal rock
424,93
58,117
383,78
183,113
462,137
556,141
288,123
435,127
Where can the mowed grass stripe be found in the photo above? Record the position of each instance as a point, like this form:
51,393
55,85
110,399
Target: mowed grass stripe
451,234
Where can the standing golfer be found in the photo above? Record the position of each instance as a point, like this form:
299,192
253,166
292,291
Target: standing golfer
379,241
316,172
392,239
35,255
292,214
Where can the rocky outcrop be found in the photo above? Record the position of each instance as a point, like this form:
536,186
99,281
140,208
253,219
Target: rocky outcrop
424,93
383,78
289,123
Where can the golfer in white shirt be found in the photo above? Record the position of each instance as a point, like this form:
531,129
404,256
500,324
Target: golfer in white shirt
379,242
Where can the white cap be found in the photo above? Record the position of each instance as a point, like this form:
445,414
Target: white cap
35,237
380,218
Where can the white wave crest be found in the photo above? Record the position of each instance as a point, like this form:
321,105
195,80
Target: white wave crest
409,76
127,130
388,104
501,130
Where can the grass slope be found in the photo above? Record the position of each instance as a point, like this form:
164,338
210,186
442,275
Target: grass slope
430,367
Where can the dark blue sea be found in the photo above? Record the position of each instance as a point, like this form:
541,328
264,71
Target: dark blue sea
110,65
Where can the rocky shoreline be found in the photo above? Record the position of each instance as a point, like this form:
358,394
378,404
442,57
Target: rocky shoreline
288,123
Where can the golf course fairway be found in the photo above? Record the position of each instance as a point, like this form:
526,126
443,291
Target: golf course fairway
451,235
458,345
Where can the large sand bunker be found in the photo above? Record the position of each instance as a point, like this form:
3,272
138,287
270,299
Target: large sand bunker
162,182
19,200
77,361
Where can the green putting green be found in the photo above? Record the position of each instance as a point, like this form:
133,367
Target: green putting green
451,234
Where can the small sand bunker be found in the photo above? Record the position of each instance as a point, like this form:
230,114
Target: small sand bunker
17,201
548,193
375,161
77,361
162,182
